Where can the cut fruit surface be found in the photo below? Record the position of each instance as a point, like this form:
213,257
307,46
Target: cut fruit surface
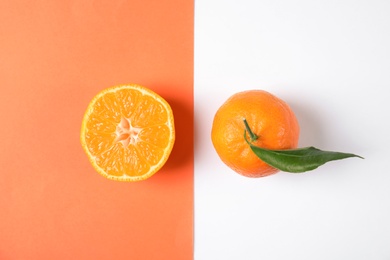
128,132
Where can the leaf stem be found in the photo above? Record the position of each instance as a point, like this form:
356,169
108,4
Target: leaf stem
251,134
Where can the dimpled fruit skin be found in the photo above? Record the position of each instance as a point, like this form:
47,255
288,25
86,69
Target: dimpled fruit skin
269,117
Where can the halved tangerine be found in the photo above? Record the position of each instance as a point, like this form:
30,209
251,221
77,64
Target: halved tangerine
128,132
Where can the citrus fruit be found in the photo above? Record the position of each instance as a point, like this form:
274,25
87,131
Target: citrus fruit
128,132
270,119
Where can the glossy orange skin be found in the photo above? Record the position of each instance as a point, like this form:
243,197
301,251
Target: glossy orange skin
269,117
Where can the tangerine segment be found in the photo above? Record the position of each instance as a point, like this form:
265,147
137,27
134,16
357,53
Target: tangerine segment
128,132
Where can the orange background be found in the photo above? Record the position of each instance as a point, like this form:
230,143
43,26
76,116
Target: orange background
54,57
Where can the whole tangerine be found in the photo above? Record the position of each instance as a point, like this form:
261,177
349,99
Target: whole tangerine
270,119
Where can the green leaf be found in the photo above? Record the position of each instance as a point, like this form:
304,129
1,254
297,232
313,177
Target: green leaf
297,160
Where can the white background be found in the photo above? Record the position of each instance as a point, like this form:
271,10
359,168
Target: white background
330,60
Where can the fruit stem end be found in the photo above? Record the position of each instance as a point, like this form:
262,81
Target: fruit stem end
251,134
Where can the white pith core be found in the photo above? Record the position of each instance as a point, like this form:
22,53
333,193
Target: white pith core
126,133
